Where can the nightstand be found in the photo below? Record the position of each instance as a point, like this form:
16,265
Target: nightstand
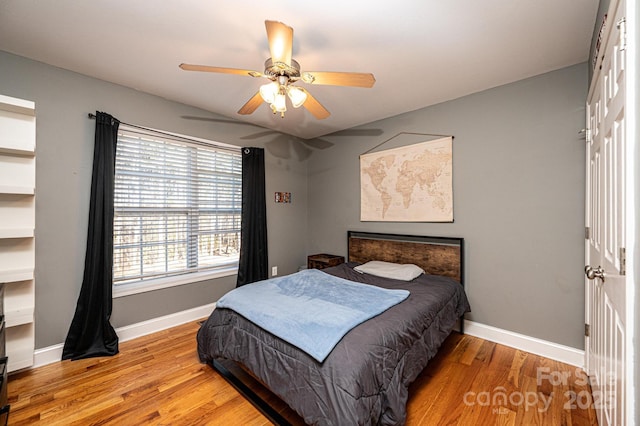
323,260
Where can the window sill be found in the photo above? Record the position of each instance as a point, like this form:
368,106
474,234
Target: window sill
166,282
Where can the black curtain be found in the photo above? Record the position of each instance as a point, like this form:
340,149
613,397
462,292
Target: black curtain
253,262
90,333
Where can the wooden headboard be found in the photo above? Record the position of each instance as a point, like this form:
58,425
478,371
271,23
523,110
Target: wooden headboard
436,255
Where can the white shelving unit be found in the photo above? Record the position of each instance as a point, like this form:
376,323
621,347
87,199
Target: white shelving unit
17,227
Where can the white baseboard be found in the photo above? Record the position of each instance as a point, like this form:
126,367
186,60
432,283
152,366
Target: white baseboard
53,353
536,346
555,351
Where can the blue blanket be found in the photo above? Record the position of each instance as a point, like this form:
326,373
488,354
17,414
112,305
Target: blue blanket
310,309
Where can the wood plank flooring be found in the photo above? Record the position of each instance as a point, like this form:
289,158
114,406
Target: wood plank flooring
158,380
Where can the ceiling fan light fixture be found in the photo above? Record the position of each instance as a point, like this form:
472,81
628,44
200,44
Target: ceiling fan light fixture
297,95
279,104
269,91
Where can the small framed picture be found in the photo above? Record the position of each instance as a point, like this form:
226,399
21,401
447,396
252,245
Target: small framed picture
283,197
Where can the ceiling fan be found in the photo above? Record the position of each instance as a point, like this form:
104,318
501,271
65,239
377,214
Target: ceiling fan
284,72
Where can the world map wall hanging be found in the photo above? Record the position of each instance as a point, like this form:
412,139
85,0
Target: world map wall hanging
412,183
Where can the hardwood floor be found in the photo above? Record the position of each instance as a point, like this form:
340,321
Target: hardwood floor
158,380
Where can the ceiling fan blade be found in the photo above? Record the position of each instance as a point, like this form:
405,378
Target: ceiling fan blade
251,105
355,79
280,41
314,107
206,68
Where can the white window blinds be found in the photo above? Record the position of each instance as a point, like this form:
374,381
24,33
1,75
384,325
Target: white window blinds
177,206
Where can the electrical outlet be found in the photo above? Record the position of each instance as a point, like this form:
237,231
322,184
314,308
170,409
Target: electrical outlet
274,271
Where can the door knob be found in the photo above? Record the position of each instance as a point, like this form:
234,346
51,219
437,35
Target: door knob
592,273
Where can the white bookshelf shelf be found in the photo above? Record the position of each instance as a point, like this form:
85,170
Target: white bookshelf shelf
17,212
15,275
19,316
18,106
17,151
19,303
17,227
16,232
17,189
20,346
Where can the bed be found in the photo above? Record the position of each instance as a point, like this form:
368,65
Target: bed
365,378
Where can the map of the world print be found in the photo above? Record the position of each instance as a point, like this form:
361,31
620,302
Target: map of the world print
408,184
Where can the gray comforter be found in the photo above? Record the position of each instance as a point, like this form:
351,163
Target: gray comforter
365,379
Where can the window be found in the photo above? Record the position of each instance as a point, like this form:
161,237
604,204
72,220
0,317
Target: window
177,208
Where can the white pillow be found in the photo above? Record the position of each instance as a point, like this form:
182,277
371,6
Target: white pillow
396,271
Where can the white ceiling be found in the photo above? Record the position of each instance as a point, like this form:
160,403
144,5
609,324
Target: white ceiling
422,52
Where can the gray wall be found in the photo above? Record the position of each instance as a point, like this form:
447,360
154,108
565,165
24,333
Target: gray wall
518,170
63,179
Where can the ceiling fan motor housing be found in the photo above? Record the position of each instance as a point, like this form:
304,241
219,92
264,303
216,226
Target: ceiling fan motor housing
275,69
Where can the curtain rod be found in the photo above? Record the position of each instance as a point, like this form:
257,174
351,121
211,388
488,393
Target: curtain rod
92,116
